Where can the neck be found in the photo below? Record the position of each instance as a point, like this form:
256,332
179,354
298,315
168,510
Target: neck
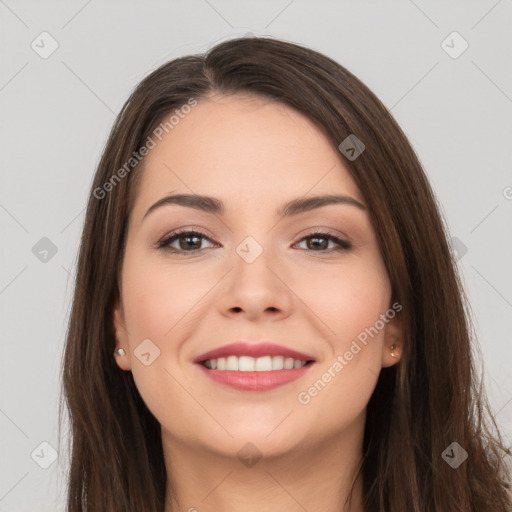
313,476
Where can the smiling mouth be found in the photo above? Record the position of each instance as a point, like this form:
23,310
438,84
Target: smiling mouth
254,364
245,373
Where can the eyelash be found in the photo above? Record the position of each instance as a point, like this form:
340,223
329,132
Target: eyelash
164,244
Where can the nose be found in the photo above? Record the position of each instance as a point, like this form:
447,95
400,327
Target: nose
257,286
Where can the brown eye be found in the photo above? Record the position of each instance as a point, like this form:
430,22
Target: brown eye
319,242
188,241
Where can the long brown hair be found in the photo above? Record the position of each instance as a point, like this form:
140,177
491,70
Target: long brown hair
431,399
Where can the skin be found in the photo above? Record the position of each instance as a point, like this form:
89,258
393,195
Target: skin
254,155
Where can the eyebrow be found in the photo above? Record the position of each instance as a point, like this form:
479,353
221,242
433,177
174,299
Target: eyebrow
215,206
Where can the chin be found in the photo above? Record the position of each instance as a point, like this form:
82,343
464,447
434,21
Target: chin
249,439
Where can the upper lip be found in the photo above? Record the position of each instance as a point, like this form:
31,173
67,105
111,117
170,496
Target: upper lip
255,350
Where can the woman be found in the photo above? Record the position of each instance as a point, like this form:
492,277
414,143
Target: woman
267,315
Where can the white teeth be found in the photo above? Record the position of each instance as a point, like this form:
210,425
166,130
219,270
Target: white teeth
263,364
288,363
246,364
251,364
277,362
232,363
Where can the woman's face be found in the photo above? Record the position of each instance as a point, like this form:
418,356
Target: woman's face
252,275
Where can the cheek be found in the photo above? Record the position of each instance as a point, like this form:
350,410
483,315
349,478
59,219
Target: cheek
156,301
350,303
347,299
159,299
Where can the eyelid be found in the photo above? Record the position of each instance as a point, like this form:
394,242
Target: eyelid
327,231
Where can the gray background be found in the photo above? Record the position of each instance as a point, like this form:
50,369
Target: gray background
56,114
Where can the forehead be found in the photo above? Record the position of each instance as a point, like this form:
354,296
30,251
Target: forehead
243,149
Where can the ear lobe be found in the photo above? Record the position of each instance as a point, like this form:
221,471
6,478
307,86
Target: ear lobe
121,336
392,347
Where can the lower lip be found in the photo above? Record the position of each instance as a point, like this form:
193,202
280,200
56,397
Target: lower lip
255,381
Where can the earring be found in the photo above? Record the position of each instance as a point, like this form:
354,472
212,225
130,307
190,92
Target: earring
119,352
392,349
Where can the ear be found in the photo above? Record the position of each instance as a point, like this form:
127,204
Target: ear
121,335
392,348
